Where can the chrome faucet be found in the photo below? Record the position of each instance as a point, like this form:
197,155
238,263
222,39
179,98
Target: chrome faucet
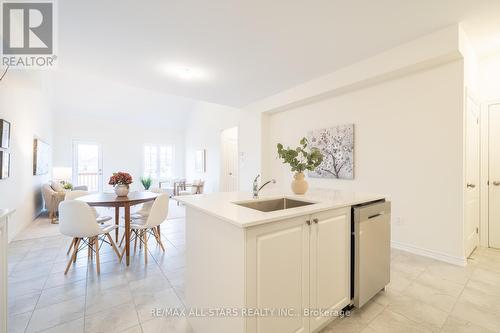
256,188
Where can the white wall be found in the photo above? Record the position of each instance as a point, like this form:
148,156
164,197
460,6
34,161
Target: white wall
489,77
122,118
23,103
408,145
203,131
122,144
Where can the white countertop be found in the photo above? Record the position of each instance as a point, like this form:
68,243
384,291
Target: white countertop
222,204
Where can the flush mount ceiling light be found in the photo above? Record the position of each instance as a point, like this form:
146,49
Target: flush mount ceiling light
185,72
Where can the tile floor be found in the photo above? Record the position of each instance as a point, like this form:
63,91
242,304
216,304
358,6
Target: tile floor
424,295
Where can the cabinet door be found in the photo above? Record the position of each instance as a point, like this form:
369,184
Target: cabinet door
330,263
3,276
278,275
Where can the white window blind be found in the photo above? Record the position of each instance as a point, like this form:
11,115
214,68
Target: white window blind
158,161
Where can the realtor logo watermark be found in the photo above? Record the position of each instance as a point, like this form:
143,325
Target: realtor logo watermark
28,34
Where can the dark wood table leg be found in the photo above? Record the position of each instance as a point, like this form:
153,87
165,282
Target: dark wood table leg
127,233
117,221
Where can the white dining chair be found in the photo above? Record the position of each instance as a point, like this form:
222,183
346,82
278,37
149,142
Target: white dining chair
143,212
77,220
72,195
142,229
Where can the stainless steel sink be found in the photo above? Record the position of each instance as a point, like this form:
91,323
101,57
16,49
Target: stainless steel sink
273,204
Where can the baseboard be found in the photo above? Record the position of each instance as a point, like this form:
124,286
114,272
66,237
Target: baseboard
429,253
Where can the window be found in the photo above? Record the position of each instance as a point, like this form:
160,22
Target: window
158,161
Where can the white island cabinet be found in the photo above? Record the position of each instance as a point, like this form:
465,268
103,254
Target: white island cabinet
281,271
4,215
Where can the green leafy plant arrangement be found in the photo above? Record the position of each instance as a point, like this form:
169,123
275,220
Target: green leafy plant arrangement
146,182
67,186
300,158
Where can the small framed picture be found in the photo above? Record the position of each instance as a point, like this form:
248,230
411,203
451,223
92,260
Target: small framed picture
4,164
200,164
4,134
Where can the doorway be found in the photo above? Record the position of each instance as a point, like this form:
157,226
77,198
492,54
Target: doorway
87,165
472,175
229,160
494,175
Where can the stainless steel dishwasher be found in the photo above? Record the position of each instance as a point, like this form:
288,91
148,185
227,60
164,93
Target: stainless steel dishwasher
370,250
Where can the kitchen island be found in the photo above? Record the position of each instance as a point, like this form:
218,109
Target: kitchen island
280,263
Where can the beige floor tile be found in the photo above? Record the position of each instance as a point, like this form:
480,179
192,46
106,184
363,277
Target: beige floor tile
489,301
170,325
391,322
368,329
422,313
56,314
99,300
74,326
155,281
60,294
113,319
477,314
135,329
431,296
147,302
22,304
457,274
345,325
17,323
457,325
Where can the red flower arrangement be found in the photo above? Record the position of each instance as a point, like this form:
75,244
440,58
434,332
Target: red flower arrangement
120,178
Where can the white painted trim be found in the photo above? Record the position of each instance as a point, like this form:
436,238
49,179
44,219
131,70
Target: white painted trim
485,138
430,253
4,231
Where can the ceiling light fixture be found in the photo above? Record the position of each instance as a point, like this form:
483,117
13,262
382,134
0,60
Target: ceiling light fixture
184,72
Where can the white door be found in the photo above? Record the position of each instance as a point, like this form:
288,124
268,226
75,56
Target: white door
229,162
87,165
278,275
329,263
472,176
494,176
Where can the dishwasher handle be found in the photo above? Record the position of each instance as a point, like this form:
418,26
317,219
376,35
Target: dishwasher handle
371,211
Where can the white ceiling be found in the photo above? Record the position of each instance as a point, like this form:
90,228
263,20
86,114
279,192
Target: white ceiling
250,49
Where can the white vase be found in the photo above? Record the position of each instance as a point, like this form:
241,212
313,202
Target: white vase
299,184
121,190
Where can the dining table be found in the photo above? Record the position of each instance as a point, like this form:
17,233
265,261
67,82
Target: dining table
112,200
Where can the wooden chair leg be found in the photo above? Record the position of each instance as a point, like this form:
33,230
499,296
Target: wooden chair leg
90,249
158,238
71,246
113,245
140,243
96,244
145,240
161,244
73,256
121,241
122,255
135,241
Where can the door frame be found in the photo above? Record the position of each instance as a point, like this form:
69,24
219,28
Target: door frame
468,95
484,172
221,149
74,159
